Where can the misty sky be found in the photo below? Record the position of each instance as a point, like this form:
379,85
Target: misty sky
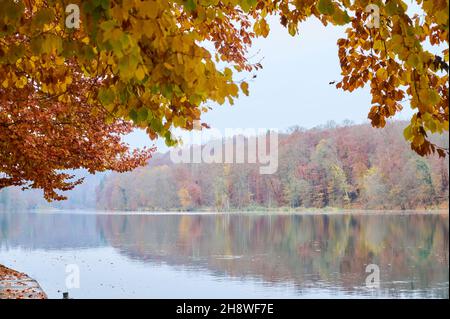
293,88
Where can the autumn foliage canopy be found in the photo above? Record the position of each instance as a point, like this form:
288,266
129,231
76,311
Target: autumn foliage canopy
68,94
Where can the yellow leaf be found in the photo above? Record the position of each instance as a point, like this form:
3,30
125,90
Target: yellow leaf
168,66
244,88
140,73
382,74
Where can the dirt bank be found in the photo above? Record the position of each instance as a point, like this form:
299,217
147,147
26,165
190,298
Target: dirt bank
17,285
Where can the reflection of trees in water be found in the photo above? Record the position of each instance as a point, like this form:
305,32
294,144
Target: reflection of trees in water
336,249
49,231
277,248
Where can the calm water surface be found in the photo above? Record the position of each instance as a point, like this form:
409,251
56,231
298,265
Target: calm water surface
230,256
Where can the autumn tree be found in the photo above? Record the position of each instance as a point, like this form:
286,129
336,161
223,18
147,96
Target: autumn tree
146,62
420,191
39,139
221,186
374,193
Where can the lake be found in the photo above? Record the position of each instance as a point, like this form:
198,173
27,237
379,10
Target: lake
251,255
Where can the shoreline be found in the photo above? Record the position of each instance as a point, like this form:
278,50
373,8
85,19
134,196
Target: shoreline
325,211
17,285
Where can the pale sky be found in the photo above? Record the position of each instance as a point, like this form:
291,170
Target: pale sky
292,88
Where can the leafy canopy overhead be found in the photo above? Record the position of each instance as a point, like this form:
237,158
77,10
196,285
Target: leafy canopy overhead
146,62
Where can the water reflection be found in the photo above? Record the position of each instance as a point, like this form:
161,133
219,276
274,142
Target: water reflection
308,252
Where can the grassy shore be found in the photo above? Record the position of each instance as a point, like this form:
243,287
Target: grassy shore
256,211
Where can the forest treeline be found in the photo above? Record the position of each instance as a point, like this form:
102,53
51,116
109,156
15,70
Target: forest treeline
345,166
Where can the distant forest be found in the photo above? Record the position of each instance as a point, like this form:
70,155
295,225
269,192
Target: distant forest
345,166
